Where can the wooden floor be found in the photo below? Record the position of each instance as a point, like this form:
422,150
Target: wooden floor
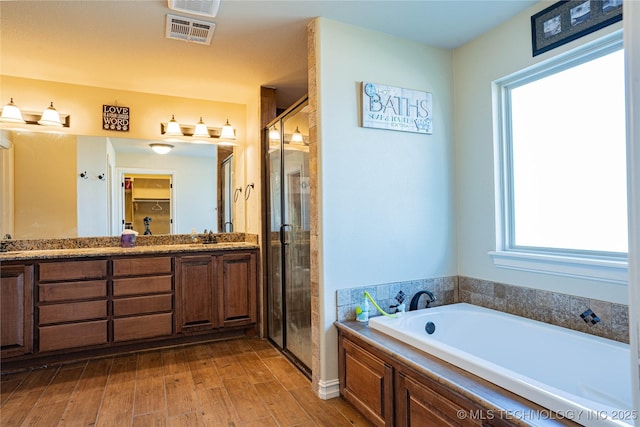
244,382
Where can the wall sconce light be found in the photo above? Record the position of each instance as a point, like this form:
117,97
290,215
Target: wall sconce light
198,131
11,113
201,130
161,148
49,117
274,134
227,131
297,138
173,128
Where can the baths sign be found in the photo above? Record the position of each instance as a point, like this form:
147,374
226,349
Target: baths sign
394,108
115,118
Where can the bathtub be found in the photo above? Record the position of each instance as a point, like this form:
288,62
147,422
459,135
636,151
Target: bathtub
579,376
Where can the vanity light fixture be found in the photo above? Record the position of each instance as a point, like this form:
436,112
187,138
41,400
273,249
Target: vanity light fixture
161,148
227,131
173,128
297,138
274,134
11,113
50,117
201,130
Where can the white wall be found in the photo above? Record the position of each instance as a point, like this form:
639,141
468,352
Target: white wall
498,53
93,209
194,187
387,197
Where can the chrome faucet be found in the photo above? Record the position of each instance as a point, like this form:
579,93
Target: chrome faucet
414,301
230,228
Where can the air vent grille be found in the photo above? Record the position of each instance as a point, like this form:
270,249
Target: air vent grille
196,7
191,30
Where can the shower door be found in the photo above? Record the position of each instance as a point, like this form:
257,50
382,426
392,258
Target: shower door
289,279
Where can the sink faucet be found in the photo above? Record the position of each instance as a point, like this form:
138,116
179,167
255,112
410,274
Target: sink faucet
4,243
210,238
230,228
414,301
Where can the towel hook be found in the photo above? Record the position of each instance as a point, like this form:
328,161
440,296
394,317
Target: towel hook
247,191
236,193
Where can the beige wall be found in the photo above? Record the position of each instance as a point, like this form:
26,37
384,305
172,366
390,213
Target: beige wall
147,111
41,188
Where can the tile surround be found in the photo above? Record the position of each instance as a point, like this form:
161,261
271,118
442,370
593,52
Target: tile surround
549,307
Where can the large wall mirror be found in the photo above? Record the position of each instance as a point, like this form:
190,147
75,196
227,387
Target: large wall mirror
56,185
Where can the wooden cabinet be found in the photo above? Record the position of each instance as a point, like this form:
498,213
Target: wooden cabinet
391,392
237,303
196,294
62,307
366,382
216,291
16,310
142,298
72,304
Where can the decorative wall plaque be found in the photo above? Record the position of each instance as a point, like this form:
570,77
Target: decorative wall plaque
394,108
115,118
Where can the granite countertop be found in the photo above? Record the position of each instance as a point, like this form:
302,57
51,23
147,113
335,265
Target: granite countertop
36,254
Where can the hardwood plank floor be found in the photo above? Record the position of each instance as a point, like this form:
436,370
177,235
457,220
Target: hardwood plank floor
238,383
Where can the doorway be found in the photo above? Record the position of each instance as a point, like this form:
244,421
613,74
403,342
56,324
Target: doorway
288,230
147,202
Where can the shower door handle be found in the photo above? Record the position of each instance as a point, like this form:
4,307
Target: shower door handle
282,236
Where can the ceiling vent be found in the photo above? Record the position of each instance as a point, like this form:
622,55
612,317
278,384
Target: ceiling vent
188,29
196,7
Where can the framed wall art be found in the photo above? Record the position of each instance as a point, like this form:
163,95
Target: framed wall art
568,20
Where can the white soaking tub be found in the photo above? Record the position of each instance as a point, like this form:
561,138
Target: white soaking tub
578,376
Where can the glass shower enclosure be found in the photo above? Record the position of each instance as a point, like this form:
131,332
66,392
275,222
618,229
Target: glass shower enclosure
288,231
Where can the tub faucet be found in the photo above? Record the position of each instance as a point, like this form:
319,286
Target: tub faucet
414,301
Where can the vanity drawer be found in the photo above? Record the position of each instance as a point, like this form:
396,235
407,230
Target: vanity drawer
58,313
72,270
132,328
141,266
141,305
70,291
141,285
72,335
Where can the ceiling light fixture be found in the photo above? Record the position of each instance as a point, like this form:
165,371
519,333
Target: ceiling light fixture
11,113
50,117
227,131
161,148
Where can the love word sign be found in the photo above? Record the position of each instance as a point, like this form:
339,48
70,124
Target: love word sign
115,118
394,108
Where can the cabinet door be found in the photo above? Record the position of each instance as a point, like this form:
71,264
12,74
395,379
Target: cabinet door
422,403
366,382
196,299
16,310
237,289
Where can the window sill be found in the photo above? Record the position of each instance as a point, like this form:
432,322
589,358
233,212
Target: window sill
611,271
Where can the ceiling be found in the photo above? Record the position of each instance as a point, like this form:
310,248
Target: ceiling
121,44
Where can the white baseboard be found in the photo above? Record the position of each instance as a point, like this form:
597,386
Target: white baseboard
328,389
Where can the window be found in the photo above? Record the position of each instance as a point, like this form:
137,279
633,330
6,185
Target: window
562,166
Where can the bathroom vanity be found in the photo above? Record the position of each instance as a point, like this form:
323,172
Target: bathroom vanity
66,304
